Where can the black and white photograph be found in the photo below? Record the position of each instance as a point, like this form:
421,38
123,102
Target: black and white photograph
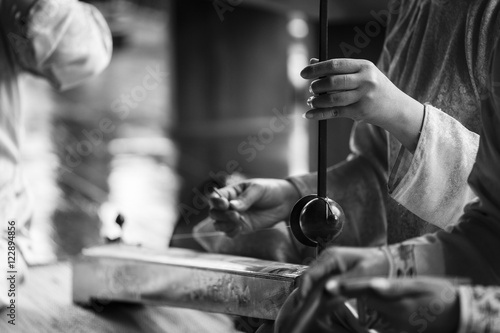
250,166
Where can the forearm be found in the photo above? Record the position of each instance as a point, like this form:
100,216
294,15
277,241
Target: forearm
404,124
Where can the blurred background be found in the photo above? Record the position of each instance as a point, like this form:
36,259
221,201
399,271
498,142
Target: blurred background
196,91
191,96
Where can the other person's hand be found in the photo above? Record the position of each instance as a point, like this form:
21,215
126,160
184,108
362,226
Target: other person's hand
252,204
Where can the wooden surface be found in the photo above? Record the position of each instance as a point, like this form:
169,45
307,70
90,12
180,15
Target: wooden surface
44,306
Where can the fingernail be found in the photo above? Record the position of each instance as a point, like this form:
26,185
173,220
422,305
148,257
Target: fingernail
332,287
308,115
309,102
380,283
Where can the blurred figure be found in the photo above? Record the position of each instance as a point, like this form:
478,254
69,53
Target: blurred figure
63,41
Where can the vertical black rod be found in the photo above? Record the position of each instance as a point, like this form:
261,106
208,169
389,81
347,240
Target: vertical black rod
322,129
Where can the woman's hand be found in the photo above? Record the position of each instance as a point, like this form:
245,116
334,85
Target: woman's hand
357,89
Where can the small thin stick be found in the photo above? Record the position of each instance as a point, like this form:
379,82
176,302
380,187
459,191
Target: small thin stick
231,207
217,233
191,236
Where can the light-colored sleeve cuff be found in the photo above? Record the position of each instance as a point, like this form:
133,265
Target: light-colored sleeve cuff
465,298
432,183
479,309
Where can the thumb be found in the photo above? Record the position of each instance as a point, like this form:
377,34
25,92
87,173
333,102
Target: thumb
313,61
247,198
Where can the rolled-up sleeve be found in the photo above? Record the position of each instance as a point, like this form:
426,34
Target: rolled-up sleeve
432,183
66,42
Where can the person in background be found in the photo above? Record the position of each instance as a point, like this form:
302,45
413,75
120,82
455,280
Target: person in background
63,41
416,132
468,251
